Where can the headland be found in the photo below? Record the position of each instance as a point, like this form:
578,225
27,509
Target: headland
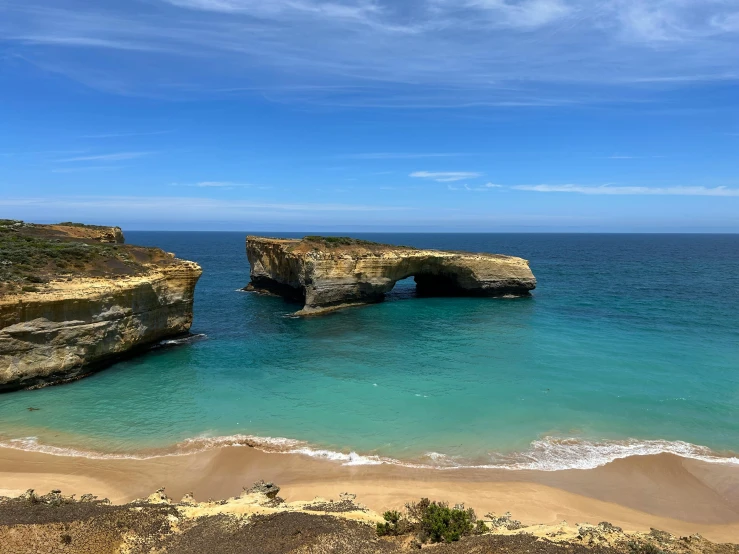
75,298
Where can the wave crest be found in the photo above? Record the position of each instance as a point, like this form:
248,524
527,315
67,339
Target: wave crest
546,454
553,454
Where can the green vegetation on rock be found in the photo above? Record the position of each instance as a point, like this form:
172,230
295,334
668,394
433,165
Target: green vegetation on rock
337,242
31,255
83,225
431,522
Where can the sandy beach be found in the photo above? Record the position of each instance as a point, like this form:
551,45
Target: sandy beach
677,495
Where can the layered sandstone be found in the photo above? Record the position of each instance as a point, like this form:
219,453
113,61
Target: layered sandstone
326,274
83,301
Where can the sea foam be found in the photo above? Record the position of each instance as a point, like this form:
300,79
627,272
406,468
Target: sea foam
546,454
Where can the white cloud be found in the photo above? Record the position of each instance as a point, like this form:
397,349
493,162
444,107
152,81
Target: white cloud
482,188
361,10
627,190
445,176
107,157
383,53
401,155
43,153
124,135
187,204
213,184
88,168
526,13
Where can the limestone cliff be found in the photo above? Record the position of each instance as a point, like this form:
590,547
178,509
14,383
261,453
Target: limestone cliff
72,303
330,273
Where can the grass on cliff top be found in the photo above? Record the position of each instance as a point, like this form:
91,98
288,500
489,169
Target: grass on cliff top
84,225
28,259
19,223
338,242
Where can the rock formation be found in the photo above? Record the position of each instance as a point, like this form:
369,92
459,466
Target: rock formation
328,273
257,523
74,299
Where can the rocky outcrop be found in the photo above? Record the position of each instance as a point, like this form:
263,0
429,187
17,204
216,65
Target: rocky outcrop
69,322
255,522
326,274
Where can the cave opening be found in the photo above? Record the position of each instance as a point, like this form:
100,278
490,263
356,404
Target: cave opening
269,286
427,285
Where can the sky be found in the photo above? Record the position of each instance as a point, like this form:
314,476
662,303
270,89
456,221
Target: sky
372,115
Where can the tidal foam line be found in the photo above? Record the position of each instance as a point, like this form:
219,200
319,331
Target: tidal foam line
547,454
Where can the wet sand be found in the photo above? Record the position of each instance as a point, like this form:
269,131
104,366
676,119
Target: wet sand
673,494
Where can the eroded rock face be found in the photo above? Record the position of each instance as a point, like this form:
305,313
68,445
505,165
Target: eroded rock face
328,274
71,325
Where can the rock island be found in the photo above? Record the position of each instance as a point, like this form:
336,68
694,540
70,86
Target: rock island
329,273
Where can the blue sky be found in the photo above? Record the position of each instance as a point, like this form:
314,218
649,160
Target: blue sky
414,115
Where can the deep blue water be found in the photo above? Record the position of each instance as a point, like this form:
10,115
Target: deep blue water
630,344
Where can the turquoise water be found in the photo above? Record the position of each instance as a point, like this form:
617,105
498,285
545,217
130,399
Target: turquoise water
629,345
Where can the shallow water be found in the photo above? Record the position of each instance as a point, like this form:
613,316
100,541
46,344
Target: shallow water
629,345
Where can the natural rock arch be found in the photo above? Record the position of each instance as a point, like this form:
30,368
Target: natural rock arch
330,273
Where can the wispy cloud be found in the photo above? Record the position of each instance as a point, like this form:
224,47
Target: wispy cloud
87,168
627,157
631,191
117,156
214,184
445,176
42,153
191,205
482,188
402,155
383,53
125,135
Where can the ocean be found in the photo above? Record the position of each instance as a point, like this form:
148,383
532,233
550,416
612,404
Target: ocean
629,345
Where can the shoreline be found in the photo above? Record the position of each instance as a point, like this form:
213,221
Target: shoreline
680,495
549,453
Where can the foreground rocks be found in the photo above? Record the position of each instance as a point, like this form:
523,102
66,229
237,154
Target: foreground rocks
73,299
257,523
328,273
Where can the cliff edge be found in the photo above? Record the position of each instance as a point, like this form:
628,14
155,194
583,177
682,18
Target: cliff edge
329,273
74,298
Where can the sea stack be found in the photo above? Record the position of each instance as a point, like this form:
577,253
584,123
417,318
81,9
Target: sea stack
74,298
329,273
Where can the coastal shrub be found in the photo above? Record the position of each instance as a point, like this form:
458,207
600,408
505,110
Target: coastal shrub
442,523
416,510
480,528
395,524
431,522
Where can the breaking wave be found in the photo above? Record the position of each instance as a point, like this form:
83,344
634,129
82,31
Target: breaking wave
183,340
554,454
547,454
